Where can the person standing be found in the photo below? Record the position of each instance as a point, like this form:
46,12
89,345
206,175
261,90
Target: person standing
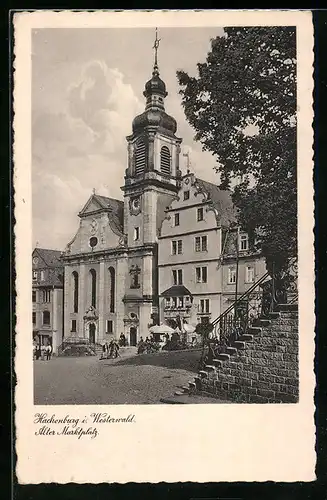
49,352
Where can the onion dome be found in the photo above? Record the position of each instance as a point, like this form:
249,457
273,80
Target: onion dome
154,114
155,85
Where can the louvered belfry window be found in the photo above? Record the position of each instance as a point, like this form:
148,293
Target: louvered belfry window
140,158
165,160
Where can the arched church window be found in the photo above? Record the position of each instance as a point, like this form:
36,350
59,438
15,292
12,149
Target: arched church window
165,162
75,291
93,276
112,285
140,158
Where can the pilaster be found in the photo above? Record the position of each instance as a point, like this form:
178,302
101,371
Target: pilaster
81,300
147,275
54,320
67,299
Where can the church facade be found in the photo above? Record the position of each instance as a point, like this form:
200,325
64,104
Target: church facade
156,253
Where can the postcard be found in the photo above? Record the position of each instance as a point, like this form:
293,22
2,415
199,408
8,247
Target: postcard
164,246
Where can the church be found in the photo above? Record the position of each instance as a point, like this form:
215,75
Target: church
156,255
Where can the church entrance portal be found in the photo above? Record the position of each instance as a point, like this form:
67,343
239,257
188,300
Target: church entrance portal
132,336
92,333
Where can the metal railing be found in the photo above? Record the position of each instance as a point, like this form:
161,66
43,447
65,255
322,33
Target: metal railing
262,298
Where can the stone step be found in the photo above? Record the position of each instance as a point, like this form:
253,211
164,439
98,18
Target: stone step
192,385
179,393
218,363
264,322
231,350
223,357
210,368
246,337
287,307
239,345
274,315
203,374
254,330
186,389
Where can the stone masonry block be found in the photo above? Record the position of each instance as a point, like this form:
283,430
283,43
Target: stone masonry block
266,393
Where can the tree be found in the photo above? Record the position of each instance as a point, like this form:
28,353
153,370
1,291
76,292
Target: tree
242,106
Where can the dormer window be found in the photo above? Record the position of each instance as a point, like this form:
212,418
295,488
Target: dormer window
244,242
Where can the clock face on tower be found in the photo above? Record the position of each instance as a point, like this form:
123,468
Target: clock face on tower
135,205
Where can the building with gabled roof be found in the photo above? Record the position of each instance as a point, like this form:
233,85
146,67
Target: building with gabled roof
47,297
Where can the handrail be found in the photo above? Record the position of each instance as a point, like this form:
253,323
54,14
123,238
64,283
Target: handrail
244,295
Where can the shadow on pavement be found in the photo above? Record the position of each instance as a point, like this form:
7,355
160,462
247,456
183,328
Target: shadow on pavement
176,360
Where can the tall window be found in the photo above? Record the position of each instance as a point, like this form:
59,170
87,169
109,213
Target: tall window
112,288
249,274
93,276
204,306
46,295
42,275
177,276
186,195
34,296
165,163
109,326
176,220
140,158
199,214
46,318
201,274
231,275
136,233
177,247
75,291
201,243
244,242
34,317
34,275
73,328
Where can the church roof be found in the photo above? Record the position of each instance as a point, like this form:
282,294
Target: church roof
114,207
221,199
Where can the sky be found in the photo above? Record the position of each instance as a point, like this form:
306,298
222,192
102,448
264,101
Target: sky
87,86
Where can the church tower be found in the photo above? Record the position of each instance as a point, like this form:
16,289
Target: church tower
153,176
152,180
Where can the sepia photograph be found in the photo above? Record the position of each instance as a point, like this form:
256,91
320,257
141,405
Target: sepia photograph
164,215
164,219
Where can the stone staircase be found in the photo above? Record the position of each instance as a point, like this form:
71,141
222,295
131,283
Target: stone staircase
260,367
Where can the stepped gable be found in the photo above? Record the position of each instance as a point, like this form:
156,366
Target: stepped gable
116,210
221,200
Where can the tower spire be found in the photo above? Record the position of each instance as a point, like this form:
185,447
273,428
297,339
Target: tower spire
155,47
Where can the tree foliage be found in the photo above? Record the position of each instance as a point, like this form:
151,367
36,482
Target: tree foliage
242,106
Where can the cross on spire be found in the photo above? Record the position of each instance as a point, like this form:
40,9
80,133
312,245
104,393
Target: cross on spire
155,47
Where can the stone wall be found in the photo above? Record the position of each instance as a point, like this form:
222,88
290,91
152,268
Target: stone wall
262,367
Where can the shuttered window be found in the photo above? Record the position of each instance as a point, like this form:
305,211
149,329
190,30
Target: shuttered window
165,160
